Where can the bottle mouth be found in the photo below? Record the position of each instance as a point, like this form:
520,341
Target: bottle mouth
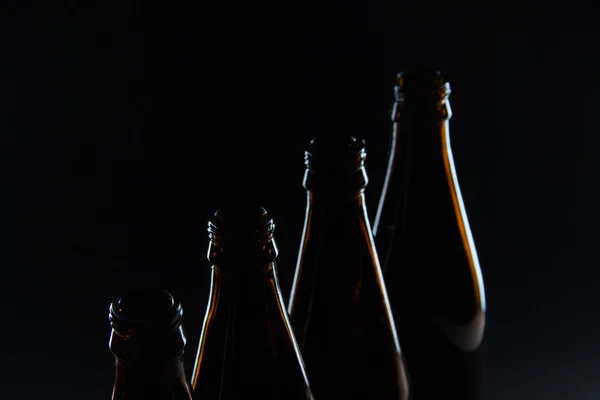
241,223
241,234
145,313
423,94
421,84
335,154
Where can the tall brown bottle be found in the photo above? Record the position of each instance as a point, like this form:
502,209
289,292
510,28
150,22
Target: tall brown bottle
148,341
339,306
247,348
427,250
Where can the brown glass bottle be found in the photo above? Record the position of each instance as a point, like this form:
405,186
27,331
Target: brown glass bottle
148,341
338,305
247,347
428,256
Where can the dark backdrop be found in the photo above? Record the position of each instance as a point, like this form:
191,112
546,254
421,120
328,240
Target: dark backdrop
125,126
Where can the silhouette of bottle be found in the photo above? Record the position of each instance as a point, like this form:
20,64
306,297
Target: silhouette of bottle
247,348
428,256
148,341
338,305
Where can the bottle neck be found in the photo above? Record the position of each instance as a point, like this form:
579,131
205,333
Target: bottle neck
158,380
419,154
335,186
422,123
352,203
254,280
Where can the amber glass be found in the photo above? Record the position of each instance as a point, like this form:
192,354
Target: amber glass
338,305
427,251
247,347
148,341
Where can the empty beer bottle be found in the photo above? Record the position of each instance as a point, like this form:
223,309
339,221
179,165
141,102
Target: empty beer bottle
148,341
427,252
338,305
247,348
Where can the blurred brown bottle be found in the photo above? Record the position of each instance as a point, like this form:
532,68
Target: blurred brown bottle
427,251
247,348
338,305
148,341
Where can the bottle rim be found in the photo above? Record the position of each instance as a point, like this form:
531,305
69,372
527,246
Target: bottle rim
335,154
164,324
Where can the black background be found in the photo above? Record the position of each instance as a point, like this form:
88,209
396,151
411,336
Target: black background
124,126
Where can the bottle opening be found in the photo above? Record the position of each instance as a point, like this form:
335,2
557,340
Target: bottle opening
241,222
145,312
426,93
335,153
145,305
241,234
